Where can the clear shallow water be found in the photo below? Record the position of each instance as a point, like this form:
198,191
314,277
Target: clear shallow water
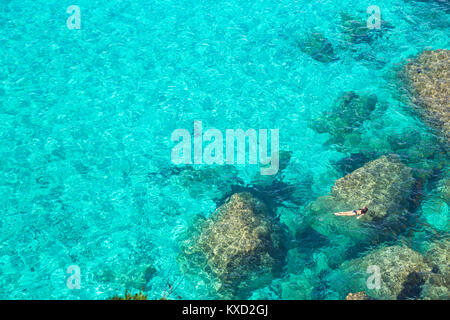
86,117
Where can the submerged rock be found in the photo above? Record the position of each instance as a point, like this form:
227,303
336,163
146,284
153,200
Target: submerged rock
266,181
318,47
358,296
240,245
134,275
437,285
354,161
345,120
356,30
428,79
436,213
298,286
401,271
421,150
444,188
318,252
435,208
445,4
207,180
368,58
383,185
412,286
349,112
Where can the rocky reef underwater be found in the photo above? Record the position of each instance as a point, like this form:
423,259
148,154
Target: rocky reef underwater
255,246
88,183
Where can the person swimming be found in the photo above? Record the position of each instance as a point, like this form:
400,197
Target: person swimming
359,213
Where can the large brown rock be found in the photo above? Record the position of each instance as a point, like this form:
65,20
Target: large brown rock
240,245
428,78
402,272
357,296
437,286
383,185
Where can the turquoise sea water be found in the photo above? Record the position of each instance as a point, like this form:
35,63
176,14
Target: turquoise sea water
86,117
